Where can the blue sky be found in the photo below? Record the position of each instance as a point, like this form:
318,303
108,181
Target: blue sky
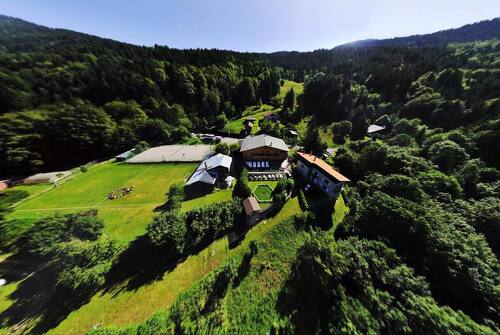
251,25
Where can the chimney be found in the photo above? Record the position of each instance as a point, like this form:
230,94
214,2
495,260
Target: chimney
206,166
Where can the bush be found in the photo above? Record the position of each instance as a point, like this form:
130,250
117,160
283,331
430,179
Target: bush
175,197
304,205
84,265
168,230
242,189
182,233
87,227
222,148
47,233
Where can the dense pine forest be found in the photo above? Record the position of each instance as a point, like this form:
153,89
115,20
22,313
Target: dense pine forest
418,251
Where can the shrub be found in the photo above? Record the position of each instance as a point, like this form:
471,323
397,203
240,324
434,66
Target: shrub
47,233
84,265
303,201
222,148
175,197
242,189
168,230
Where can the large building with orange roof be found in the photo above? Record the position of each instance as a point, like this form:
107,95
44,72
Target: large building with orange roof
320,174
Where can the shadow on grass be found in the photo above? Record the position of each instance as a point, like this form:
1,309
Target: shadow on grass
10,197
140,264
143,263
37,296
197,190
10,230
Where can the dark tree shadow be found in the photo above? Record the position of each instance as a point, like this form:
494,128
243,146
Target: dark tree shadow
10,197
243,269
9,229
197,190
37,295
140,264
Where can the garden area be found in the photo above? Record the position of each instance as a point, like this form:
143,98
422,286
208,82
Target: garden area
263,193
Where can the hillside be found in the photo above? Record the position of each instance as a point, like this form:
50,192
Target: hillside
351,232
480,31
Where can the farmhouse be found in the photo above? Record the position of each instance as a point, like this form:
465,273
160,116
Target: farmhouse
211,170
263,148
320,174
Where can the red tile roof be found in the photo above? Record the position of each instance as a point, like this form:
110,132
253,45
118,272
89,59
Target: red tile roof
324,166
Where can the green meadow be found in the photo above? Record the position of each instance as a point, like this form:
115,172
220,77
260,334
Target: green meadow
126,217
288,84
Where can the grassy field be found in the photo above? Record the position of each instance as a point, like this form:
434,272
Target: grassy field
288,84
122,307
125,218
325,132
249,306
234,127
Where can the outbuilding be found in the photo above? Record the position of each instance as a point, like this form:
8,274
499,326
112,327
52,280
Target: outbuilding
212,169
252,209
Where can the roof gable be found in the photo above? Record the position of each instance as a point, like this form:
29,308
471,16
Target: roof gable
324,166
251,205
201,173
259,141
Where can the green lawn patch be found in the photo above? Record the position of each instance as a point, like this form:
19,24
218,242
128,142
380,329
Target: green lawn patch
288,84
263,193
126,307
234,127
125,218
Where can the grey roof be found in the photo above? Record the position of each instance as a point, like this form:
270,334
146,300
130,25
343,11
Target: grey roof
217,160
128,154
48,177
201,175
253,142
173,153
374,128
202,172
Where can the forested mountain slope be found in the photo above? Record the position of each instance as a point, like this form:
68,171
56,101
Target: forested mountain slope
480,31
113,94
416,254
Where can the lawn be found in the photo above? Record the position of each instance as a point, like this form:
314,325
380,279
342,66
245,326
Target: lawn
125,218
126,306
325,131
288,84
263,193
234,127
